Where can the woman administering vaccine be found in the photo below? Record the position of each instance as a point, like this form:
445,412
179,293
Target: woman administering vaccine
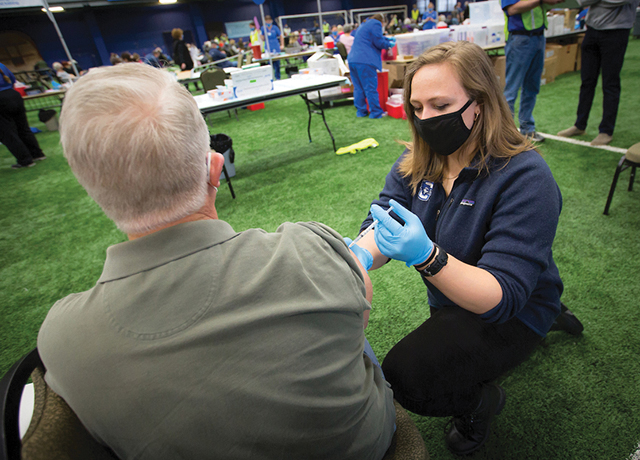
475,211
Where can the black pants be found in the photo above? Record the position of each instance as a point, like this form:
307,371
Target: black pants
602,50
14,128
438,369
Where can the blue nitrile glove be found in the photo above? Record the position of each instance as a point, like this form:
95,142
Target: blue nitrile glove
392,42
408,243
364,256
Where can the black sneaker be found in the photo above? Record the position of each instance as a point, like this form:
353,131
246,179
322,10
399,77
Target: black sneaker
43,157
19,166
469,432
567,322
535,137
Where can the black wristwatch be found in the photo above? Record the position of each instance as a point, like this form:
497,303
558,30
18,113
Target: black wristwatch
438,263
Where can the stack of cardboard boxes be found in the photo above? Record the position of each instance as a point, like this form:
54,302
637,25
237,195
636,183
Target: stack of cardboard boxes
561,59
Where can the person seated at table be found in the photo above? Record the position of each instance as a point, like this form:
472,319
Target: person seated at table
61,74
216,55
346,39
67,67
152,59
199,341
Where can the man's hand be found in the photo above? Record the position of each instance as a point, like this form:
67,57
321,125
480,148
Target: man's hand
183,65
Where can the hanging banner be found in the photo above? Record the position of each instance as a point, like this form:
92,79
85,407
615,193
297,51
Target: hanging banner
20,3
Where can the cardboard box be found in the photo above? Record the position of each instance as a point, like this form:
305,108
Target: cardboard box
396,71
552,49
549,70
570,18
500,68
253,81
567,59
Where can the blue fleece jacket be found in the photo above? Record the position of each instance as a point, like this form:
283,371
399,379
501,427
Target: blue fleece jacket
504,222
368,44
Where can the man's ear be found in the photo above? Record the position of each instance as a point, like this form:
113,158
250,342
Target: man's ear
217,162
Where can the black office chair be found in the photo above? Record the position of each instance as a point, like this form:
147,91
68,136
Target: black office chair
211,79
631,159
55,432
342,50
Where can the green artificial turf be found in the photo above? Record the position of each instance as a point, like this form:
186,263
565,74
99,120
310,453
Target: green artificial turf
576,398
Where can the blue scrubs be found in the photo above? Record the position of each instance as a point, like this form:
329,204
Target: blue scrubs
364,60
272,34
430,24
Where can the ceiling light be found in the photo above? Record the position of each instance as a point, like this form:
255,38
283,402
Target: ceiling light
54,9
166,2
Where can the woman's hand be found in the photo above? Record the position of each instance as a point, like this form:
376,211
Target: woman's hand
364,256
408,243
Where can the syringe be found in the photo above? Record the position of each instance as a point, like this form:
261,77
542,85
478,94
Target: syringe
368,229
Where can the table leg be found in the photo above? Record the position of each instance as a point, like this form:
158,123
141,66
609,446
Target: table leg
318,112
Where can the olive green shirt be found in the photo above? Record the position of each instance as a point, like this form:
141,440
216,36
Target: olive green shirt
199,342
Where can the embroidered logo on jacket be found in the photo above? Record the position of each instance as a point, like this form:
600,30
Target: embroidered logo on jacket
467,203
425,190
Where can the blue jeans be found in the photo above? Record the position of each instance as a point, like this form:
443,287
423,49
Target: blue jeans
365,89
525,61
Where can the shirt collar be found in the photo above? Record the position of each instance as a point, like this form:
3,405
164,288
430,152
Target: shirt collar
161,247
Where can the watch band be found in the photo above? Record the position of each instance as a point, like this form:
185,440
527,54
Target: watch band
438,263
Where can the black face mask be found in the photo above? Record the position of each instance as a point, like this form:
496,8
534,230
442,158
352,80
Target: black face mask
445,133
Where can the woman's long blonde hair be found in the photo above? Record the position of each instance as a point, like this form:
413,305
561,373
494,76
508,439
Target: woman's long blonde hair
494,133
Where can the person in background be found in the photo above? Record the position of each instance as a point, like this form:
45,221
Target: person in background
217,55
62,75
364,62
334,34
126,56
67,67
194,52
429,18
605,42
527,20
233,47
286,30
325,27
135,57
15,132
469,219
458,13
152,59
346,39
415,13
163,58
254,36
115,59
211,343
181,55
272,33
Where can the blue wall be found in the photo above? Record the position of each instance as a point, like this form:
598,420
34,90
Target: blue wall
139,29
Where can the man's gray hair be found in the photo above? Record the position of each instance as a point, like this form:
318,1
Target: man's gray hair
136,141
